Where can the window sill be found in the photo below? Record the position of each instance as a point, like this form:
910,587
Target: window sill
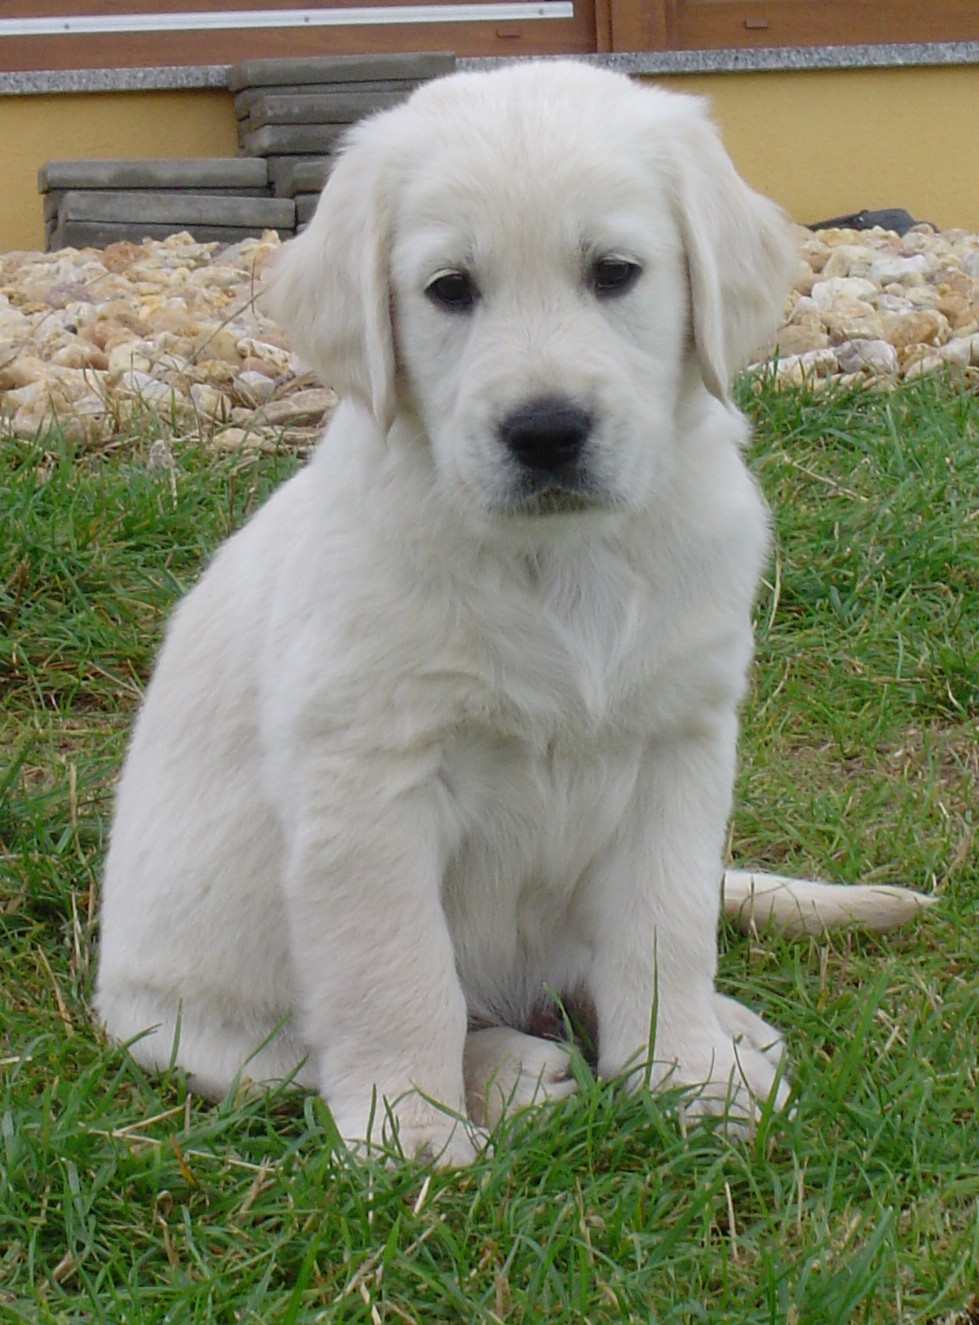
912,55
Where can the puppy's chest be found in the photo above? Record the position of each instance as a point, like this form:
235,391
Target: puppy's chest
528,827
529,821
546,742
581,675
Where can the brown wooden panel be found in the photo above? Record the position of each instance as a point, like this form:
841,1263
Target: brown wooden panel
604,40
716,24
640,25
135,50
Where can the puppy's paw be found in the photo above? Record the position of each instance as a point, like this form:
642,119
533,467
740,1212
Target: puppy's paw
746,1027
732,1069
414,1129
452,1146
737,1085
506,1070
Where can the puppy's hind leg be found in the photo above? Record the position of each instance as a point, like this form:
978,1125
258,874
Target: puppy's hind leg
216,1051
506,1070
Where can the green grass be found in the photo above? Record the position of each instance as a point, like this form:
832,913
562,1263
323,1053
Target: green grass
123,1199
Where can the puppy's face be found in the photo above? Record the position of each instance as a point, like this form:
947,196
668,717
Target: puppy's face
541,317
544,264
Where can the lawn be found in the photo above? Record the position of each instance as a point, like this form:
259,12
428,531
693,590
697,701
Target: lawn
125,1200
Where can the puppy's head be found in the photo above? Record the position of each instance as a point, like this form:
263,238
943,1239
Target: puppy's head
532,261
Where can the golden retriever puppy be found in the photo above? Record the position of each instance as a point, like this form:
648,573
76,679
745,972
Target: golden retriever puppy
446,735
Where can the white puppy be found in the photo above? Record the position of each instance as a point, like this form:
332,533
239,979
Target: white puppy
447,732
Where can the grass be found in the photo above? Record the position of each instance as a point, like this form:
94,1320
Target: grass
124,1199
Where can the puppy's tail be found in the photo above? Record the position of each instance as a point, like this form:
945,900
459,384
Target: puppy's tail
756,901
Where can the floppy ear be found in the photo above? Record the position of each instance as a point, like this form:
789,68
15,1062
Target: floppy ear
740,252
329,290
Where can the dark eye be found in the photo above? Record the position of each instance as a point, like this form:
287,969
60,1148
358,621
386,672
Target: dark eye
453,290
612,276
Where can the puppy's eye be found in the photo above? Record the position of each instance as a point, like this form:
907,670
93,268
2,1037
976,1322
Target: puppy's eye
452,290
613,276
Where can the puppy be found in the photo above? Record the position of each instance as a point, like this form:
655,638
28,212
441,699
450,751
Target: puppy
445,736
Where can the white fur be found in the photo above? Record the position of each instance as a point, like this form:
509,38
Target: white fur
416,760
804,906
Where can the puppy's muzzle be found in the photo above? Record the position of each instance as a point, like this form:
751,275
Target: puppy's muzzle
547,438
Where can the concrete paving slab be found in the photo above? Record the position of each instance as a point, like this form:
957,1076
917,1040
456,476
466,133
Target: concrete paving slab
292,175
97,234
170,173
340,69
321,108
249,95
176,209
291,139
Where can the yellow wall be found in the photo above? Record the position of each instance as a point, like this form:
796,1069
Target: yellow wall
827,142
821,142
35,129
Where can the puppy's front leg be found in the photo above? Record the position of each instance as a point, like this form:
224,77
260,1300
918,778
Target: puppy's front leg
382,1009
654,912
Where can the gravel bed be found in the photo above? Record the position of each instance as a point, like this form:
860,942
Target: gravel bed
95,340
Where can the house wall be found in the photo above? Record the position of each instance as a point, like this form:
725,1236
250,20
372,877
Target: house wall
831,141
821,141
35,129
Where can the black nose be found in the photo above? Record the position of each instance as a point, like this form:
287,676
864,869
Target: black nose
546,434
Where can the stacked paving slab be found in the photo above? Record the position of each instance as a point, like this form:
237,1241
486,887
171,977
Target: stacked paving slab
220,198
294,113
291,115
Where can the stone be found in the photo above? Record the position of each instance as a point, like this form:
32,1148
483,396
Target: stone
301,408
957,353
79,354
801,369
68,292
924,327
218,343
815,252
52,392
129,356
255,388
250,365
234,439
30,423
119,255
217,371
207,400
920,296
794,340
878,357
926,364
275,356
826,292
893,269
21,372
853,328
148,389
957,308
13,323
848,260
